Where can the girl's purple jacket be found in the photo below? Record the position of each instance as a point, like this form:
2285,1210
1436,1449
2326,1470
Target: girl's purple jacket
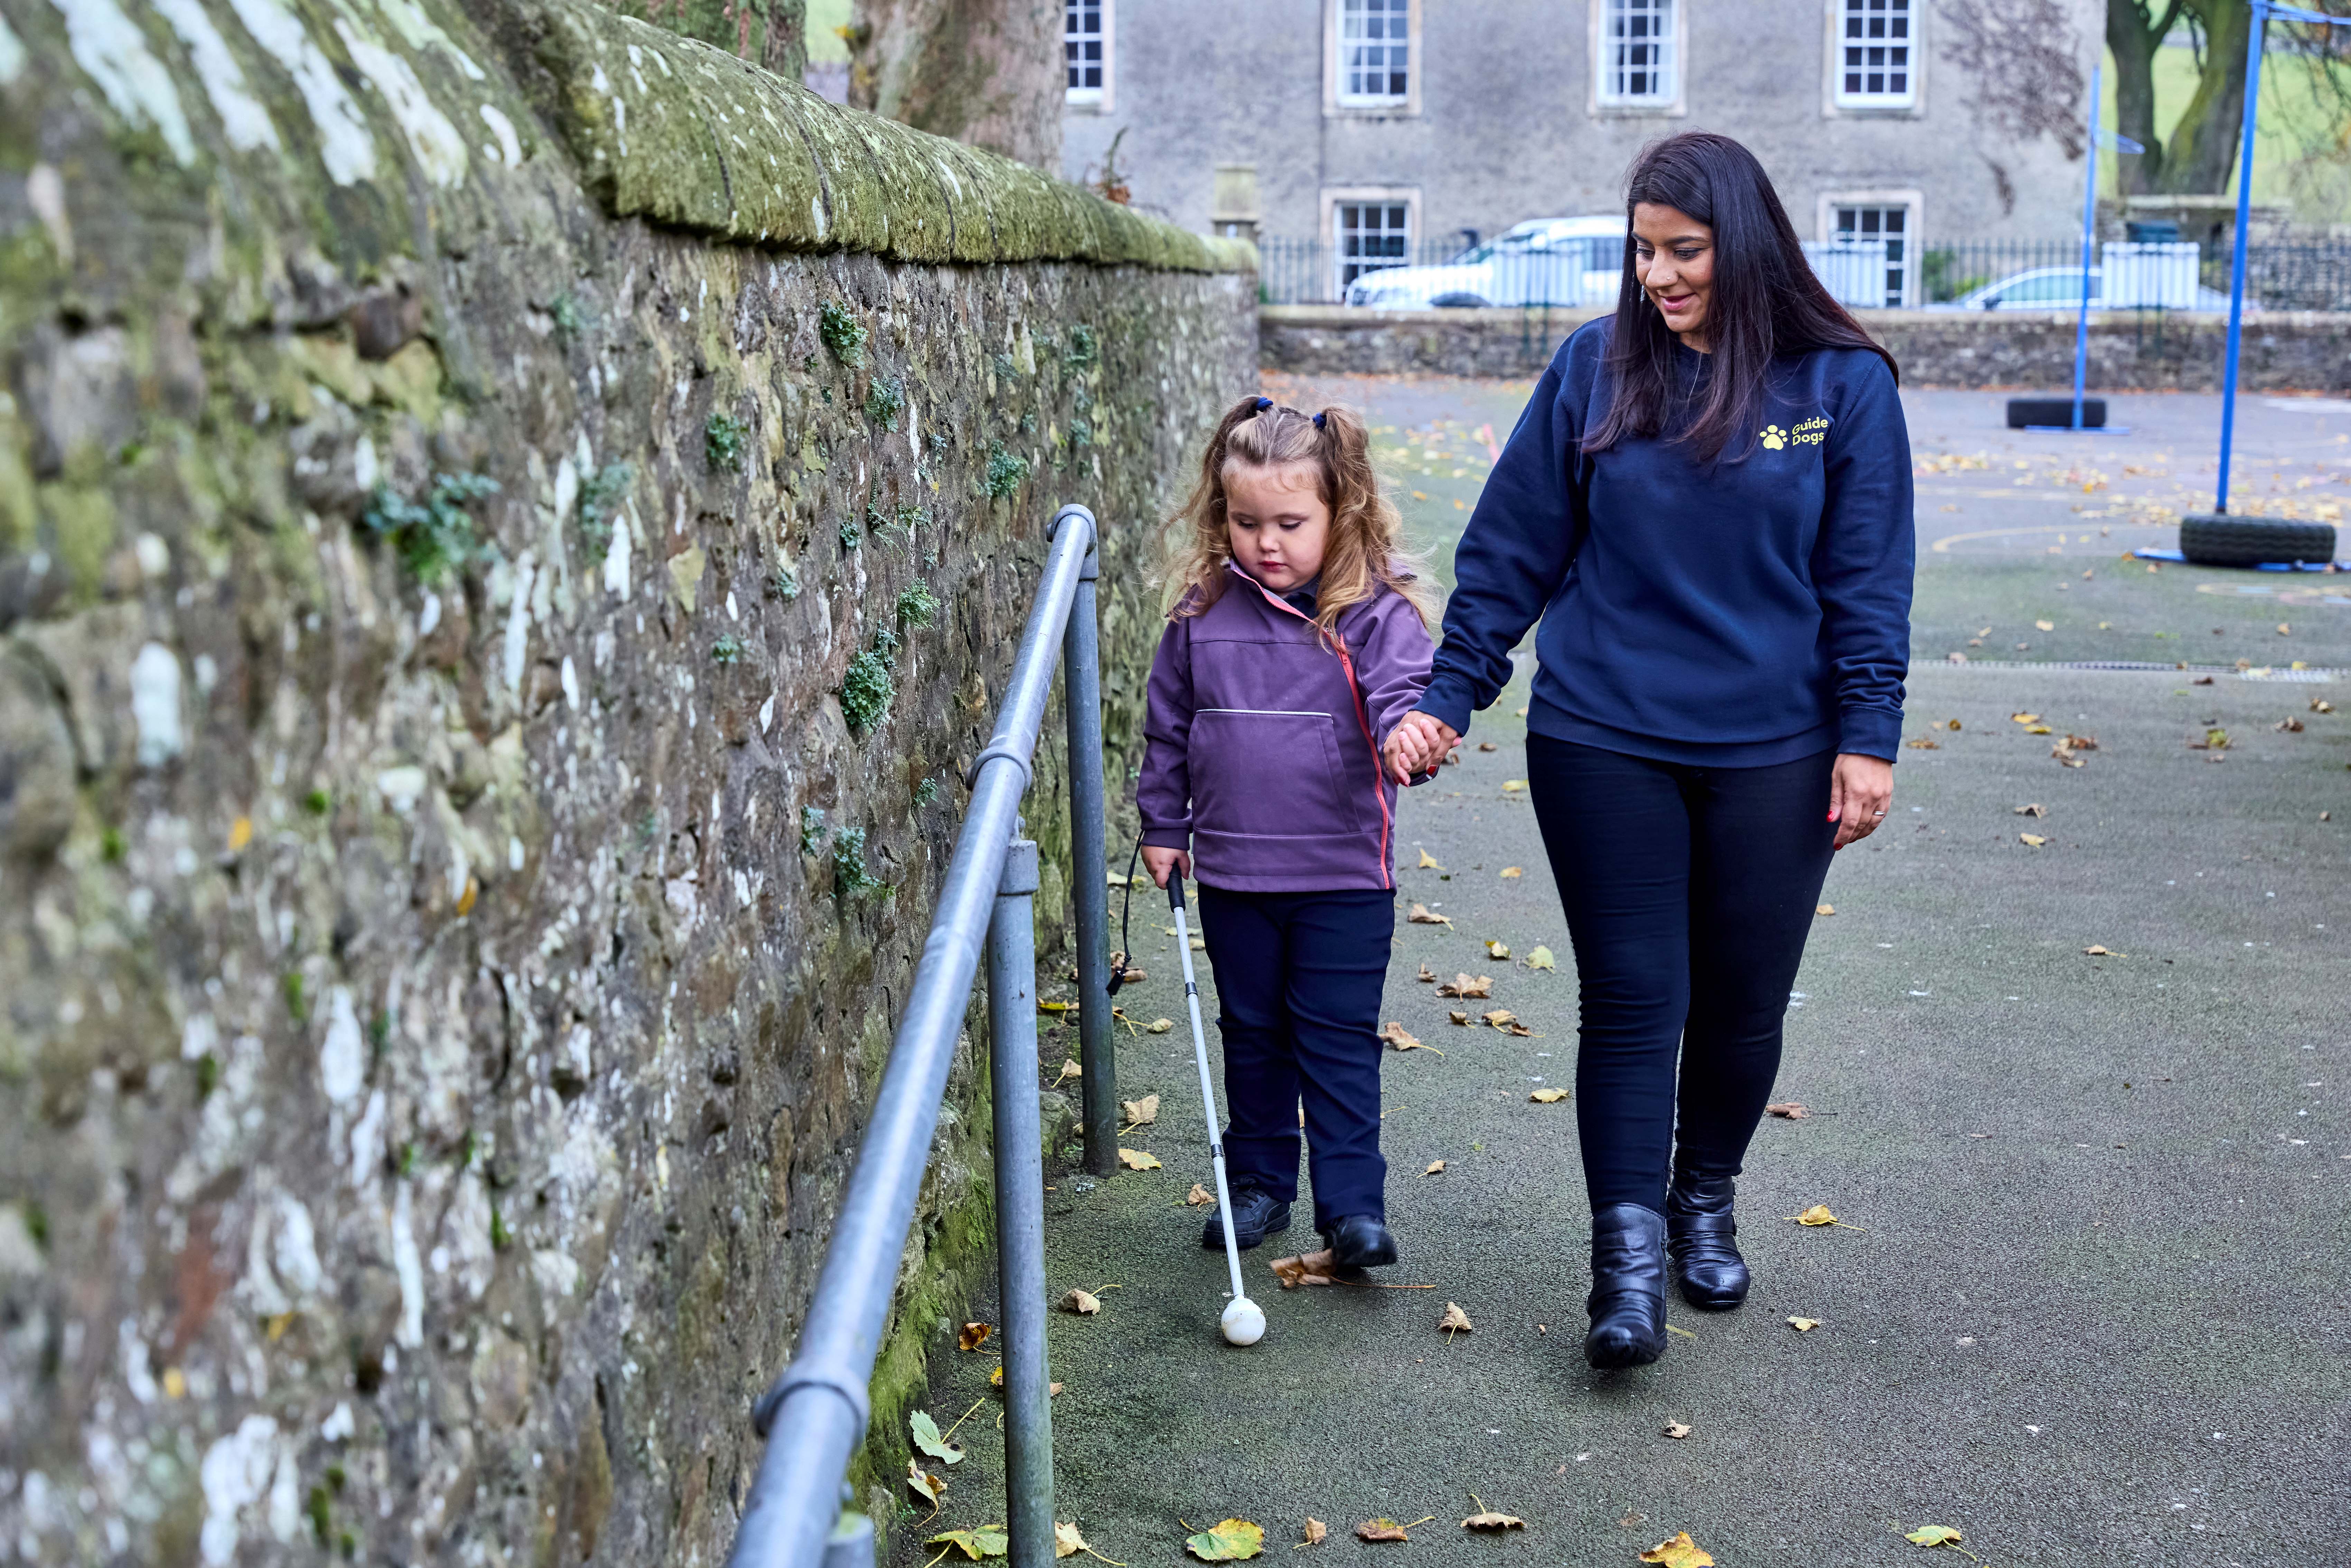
1262,742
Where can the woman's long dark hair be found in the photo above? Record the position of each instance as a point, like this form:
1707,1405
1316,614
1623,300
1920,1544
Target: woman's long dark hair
1765,301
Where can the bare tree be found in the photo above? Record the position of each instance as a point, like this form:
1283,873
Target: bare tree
988,72
2200,156
2020,54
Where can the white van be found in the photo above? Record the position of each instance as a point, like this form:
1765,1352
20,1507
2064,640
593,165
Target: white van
1573,262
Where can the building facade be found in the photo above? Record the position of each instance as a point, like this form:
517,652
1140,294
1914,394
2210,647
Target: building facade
1393,127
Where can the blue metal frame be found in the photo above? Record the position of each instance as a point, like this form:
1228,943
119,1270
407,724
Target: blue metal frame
814,1417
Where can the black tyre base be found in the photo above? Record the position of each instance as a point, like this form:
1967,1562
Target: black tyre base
2028,411
2217,539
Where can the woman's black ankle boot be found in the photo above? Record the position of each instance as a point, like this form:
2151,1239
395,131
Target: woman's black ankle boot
1699,1232
1628,1287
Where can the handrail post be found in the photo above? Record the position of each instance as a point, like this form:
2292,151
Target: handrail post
1089,857
1020,1208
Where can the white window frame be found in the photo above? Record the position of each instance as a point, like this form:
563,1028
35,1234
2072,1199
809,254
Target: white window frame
1091,100
1337,102
1337,196
1602,100
1912,204
1836,103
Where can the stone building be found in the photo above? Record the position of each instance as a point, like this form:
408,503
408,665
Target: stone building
1392,125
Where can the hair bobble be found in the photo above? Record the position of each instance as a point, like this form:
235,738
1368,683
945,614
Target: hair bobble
1263,404
1318,422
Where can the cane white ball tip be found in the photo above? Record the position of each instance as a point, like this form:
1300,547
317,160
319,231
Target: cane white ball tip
1244,1322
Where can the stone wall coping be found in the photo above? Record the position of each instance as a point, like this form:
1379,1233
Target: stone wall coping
671,131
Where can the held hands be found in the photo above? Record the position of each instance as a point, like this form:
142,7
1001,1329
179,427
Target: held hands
1159,863
1417,744
1860,791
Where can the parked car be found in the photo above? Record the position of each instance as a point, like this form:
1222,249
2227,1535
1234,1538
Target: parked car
1544,261
2057,288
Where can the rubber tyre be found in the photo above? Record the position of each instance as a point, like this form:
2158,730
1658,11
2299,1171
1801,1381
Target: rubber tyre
2210,539
2024,410
1458,301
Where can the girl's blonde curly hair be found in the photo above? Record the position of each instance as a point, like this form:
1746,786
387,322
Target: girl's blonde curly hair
1366,548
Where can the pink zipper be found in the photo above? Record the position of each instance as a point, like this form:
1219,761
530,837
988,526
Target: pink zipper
1362,722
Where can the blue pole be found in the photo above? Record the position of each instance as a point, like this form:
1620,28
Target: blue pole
2089,225
2237,257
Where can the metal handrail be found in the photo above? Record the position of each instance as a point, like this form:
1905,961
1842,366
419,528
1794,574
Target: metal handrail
815,1416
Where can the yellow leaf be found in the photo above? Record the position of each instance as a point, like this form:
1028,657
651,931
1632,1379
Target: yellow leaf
1428,862
240,833
2047,625
1067,1541
1159,1026
1924,745
1541,958
1817,1214
1548,1096
988,1541
1315,1530
1434,1166
2036,839
1498,950
1046,1006
1490,1519
1513,870
974,1336
1083,1303
175,1383
466,899
1680,1552
1420,915
1453,1322
929,1488
1803,1325
1138,1160
1228,1541
1199,1196
1140,1112
1826,909
2024,718
1500,1018
1933,1535
1513,785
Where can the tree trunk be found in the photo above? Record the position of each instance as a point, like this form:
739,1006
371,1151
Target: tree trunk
2204,144
986,72
2133,35
772,32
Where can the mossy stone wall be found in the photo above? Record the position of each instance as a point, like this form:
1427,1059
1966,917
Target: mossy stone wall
512,524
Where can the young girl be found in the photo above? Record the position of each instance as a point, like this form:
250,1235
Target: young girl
1297,638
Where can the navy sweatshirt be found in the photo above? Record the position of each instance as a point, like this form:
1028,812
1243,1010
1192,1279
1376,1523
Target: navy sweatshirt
1740,614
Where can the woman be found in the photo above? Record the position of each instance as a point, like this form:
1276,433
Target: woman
1707,504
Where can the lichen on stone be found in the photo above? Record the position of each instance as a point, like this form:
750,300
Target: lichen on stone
885,400
435,536
844,335
1007,472
725,438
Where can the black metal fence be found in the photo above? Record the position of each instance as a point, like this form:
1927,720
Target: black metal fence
2278,276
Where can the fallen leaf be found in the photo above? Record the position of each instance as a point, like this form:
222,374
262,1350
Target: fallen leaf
974,1336
1933,1535
2292,725
1381,1529
1924,745
1463,986
2100,950
2202,681
1067,1541
1046,1006
2047,625
1084,1303
1069,1070
1486,745
1307,1268
1159,1026
1198,1195
1677,1429
1826,909
2036,729
1952,724
1492,1518
1541,958
2082,742
2320,705
927,1438
1498,950
2024,718
1315,1530
996,1380
986,1540
929,1488
1790,1109
1428,862
1420,915
1396,1035
1499,1018
2034,809
1227,1541
1453,1322
1680,1552
1817,1214
1548,1096
1513,785
1513,870
240,833
1434,1166
1803,1325
1461,1019
2036,839
1427,977
2284,629
1140,1112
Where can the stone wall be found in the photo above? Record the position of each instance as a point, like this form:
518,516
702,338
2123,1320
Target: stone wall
2283,351
511,525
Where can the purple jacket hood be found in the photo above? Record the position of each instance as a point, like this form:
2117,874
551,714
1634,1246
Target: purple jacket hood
1262,741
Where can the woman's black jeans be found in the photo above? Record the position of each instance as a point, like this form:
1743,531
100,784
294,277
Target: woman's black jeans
1689,892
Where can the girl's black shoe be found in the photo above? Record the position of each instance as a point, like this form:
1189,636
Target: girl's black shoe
1256,1215
1359,1241
1698,1233
1628,1287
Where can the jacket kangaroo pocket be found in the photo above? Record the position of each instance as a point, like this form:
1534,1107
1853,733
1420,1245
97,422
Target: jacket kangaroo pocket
1273,775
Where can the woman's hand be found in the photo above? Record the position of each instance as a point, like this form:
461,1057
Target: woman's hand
1860,792
1417,744
1159,863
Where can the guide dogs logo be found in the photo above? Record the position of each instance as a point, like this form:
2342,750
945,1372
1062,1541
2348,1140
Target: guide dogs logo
1811,432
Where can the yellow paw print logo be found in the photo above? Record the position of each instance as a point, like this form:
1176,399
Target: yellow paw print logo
1774,438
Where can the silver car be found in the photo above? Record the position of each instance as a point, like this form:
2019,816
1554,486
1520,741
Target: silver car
1573,262
2059,289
